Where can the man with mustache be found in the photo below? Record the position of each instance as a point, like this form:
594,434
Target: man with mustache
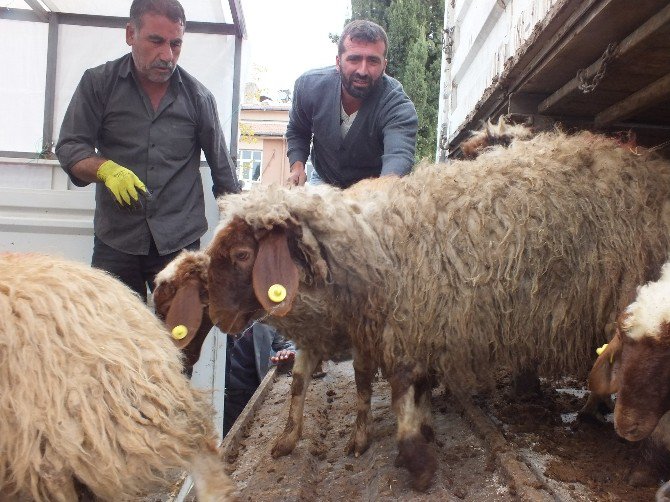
135,127
358,120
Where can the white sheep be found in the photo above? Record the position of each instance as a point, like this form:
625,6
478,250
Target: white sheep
524,254
92,391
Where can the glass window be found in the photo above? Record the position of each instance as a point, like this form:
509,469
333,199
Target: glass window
249,167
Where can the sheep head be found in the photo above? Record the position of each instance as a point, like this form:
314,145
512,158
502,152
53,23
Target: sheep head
501,133
644,374
245,264
181,296
644,383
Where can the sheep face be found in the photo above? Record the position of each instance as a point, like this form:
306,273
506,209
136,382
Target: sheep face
245,265
644,384
181,298
181,293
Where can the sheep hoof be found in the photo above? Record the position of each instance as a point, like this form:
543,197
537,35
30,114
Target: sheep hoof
284,446
357,444
419,458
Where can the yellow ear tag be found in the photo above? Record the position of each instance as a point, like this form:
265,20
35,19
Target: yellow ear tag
179,332
277,293
600,350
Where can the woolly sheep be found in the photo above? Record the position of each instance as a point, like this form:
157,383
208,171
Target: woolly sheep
181,298
92,391
523,254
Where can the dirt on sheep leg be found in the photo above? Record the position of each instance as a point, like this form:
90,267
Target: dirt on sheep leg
364,373
527,382
410,396
419,458
305,363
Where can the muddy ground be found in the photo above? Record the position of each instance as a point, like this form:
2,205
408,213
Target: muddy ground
500,449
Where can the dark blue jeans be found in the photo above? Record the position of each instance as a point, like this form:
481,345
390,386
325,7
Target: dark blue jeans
135,271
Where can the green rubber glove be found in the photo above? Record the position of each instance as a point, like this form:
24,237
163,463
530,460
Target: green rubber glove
121,182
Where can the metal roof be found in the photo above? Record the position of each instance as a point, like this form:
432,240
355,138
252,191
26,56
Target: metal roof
208,16
599,64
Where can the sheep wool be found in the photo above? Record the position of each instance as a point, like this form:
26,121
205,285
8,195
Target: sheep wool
92,391
522,256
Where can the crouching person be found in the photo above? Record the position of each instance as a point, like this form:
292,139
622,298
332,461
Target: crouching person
249,356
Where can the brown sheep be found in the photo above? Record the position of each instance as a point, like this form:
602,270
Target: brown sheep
603,382
181,298
643,372
184,301
185,305
92,391
524,254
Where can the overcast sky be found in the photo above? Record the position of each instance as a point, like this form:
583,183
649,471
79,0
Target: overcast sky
290,37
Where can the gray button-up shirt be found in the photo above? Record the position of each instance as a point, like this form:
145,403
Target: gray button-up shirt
110,113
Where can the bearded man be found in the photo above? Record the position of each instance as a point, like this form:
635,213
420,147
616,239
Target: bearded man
357,120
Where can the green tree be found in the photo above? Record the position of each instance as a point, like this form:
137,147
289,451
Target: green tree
414,28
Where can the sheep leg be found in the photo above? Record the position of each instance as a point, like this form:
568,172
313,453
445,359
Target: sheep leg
410,397
364,372
305,363
595,408
209,477
423,389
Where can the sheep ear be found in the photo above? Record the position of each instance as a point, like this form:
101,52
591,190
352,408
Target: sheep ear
274,265
602,378
187,310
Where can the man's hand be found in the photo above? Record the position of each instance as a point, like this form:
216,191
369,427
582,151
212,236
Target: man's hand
121,182
298,176
283,356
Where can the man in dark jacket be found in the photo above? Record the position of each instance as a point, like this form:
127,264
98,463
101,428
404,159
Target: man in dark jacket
137,126
358,121
248,358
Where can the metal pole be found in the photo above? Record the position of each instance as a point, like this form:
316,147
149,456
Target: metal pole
50,89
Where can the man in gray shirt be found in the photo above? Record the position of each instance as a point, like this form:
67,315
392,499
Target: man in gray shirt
136,127
359,121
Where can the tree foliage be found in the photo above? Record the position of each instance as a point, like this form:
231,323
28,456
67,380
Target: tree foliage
414,28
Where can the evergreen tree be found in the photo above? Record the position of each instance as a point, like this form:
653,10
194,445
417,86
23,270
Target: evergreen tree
373,10
414,28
